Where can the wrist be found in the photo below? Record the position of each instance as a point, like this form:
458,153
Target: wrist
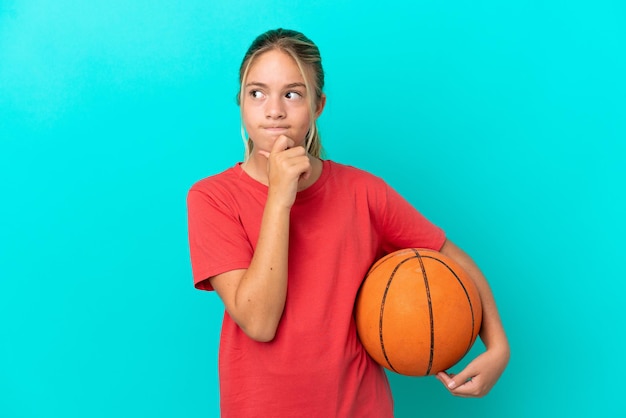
500,349
279,201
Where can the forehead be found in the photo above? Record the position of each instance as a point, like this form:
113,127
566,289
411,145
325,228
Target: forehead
274,67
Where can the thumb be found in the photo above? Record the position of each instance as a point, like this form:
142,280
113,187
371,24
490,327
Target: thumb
264,153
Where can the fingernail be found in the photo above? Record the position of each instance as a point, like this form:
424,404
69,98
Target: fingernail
451,385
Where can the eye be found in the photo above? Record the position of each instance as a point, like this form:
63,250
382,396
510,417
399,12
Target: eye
256,94
294,95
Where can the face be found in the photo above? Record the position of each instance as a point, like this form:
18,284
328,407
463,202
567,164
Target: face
275,101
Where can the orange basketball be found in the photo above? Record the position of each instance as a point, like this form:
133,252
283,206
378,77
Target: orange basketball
417,312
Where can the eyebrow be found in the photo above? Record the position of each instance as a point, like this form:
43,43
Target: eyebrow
288,86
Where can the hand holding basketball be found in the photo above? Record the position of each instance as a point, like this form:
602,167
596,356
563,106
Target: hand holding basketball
478,377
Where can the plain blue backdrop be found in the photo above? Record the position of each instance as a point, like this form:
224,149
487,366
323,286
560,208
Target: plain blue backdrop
503,122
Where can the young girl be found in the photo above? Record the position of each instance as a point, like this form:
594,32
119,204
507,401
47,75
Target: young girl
285,238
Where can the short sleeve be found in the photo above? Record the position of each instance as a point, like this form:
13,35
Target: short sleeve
217,240
403,226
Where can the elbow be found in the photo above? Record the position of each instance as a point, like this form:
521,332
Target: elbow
262,332
262,337
259,322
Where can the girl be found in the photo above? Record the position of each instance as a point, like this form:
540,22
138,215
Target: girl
285,239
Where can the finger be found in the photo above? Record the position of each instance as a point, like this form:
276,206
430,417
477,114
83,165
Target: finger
445,378
469,389
309,170
457,382
282,143
460,379
452,381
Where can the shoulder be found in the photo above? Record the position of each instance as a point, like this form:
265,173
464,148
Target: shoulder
230,184
222,190
215,181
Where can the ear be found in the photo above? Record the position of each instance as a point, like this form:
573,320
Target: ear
320,106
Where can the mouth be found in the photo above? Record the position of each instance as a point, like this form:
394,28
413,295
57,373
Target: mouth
275,129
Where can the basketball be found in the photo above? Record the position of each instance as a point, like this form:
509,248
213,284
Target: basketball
417,312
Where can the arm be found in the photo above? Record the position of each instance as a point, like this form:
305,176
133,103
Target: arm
255,297
481,374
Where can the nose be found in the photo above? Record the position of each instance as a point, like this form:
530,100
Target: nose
275,108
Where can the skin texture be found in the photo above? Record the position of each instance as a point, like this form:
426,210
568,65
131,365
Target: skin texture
277,117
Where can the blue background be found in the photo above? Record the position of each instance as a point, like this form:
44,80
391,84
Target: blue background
503,122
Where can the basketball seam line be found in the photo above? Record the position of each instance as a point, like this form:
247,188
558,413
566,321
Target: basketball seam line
430,313
469,300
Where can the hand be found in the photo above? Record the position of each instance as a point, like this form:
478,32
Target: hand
286,167
480,375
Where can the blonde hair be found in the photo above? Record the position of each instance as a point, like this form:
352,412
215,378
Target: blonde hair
307,56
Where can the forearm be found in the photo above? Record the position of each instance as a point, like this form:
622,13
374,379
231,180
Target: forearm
260,296
492,331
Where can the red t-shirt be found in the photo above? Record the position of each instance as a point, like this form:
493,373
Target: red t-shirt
315,366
